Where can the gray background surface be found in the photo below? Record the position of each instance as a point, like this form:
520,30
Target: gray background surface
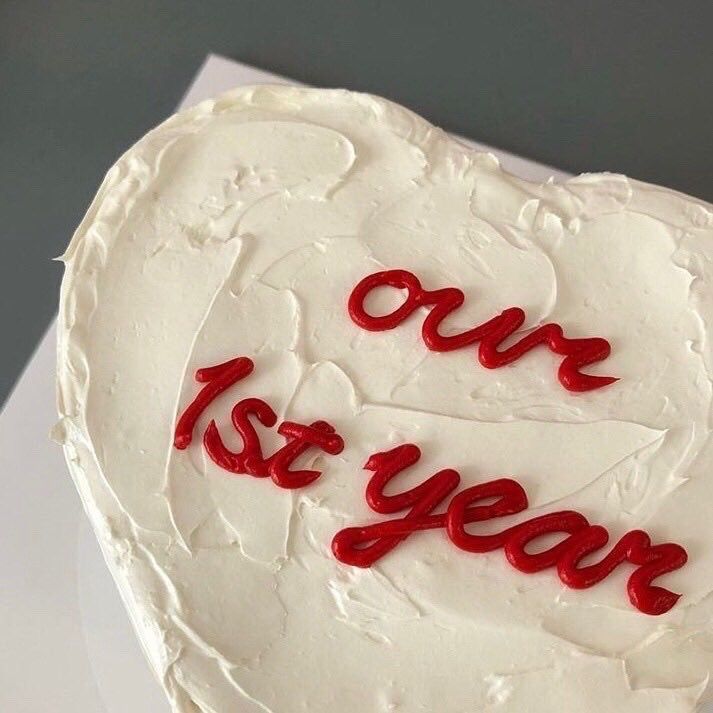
582,85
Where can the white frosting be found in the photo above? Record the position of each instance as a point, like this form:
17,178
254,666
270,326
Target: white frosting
239,227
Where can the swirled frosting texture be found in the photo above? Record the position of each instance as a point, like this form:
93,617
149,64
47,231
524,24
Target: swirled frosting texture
239,227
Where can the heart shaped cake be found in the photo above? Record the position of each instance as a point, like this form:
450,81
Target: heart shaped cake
365,424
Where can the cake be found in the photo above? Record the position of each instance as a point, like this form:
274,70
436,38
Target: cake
282,300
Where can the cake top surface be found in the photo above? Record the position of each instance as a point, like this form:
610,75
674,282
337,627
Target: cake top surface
241,228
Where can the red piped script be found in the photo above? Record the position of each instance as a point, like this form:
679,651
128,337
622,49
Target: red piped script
363,546
251,460
417,507
490,335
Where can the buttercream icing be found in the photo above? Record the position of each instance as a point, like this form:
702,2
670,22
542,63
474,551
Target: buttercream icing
239,228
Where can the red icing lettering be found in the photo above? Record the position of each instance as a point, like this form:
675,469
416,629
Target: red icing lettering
299,438
490,335
434,504
250,460
634,547
363,546
216,379
511,499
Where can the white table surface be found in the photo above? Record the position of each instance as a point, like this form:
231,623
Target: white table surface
68,646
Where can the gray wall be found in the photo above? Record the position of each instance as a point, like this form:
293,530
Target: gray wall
582,85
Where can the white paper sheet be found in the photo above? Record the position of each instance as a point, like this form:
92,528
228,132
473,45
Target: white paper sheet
67,644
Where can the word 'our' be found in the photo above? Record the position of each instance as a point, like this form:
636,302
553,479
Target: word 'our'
490,335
